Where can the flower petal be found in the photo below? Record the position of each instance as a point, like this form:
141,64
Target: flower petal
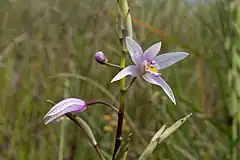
160,82
72,108
64,104
134,50
152,51
167,59
129,70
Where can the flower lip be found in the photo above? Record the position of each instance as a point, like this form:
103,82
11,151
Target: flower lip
69,105
151,67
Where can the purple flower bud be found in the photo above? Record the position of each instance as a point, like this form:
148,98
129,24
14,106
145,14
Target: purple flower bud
100,57
69,105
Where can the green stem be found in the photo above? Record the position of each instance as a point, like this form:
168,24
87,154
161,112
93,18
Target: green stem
113,65
121,110
124,30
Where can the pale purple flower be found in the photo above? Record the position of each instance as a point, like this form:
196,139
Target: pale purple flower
69,105
148,64
100,57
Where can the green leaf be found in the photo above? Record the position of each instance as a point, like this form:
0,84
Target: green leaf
160,136
149,150
159,133
173,128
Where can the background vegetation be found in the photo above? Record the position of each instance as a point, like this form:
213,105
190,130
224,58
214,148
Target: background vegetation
41,40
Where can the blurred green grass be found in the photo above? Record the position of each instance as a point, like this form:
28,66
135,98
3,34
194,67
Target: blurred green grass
41,39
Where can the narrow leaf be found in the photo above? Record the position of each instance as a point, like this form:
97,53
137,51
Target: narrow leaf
149,150
160,136
173,128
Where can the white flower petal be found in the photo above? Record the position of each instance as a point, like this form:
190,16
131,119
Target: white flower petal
64,107
160,82
129,70
152,51
134,50
167,59
73,108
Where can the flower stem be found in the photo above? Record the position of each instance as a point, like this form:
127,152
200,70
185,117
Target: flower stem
101,102
125,29
113,65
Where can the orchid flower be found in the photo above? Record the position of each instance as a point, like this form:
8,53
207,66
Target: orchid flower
69,105
148,64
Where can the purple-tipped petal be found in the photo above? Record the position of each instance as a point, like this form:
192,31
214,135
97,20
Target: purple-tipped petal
160,82
129,70
152,51
65,106
73,108
134,50
168,59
